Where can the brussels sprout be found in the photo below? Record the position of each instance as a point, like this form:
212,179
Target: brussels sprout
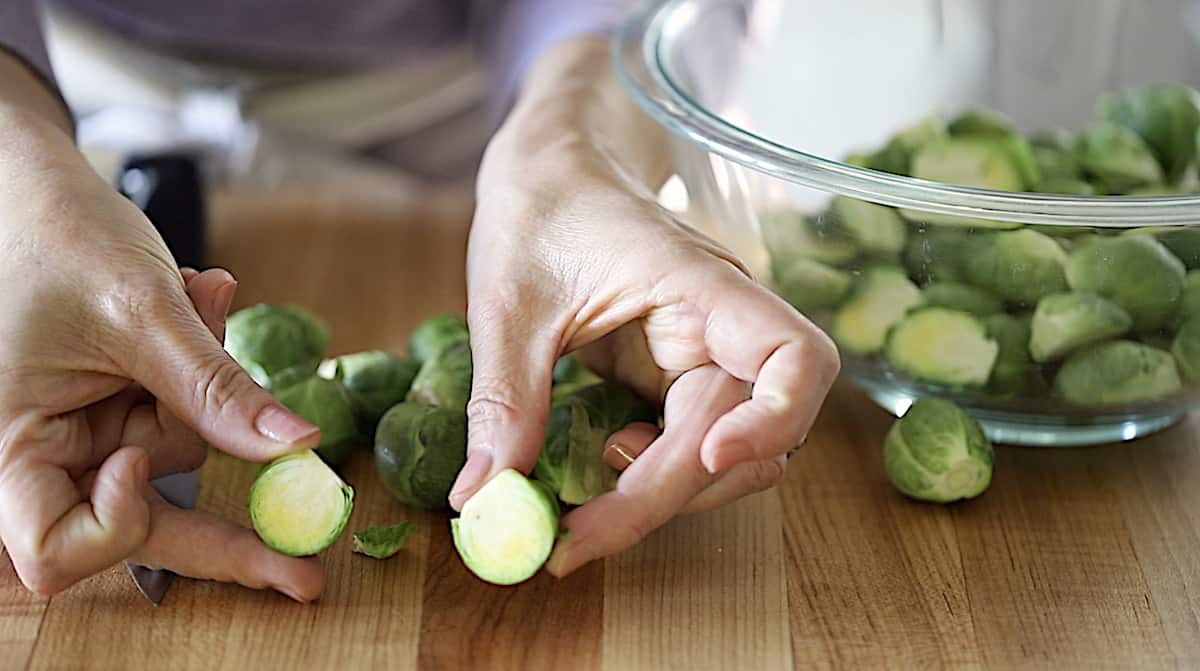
1166,116
858,160
980,123
935,254
1186,348
1058,139
1014,371
570,374
878,229
375,380
896,156
1056,165
1135,272
1065,322
288,377
382,542
298,505
788,235
937,452
879,299
985,163
1183,242
1120,371
811,285
435,334
507,529
445,379
572,462
1068,186
1118,158
964,297
1019,266
1189,300
326,404
266,339
1158,340
419,450
942,346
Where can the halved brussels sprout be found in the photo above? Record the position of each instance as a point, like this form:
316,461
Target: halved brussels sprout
1014,371
942,346
298,505
507,529
1065,322
1120,371
935,254
896,156
789,235
1186,348
980,122
964,297
879,299
937,452
266,339
878,229
1118,158
1189,300
985,163
1134,271
1165,116
811,285
1019,266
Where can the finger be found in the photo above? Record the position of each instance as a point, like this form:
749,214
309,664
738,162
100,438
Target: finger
174,355
659,483
740,481
212,293
510,398
626,445
791,363
57,538
132,417
187,274
203,546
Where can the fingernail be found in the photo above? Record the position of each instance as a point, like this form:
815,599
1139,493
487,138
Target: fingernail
618,456
277,424
141,468
477,468
291,594
223,298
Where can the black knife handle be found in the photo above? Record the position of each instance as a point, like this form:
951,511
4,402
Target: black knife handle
168,188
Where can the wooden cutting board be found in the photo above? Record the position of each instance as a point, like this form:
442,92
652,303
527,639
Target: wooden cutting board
1082,558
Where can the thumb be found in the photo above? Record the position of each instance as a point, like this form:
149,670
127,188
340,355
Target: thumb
510,401
175,356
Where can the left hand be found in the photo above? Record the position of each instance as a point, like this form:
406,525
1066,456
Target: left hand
575,257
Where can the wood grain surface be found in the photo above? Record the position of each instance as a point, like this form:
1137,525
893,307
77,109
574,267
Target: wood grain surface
1074,559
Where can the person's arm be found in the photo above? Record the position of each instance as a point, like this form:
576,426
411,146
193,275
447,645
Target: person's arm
27,89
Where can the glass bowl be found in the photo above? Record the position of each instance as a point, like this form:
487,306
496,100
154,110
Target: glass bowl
785,118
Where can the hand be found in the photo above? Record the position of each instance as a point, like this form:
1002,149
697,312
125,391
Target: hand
110,375
595,265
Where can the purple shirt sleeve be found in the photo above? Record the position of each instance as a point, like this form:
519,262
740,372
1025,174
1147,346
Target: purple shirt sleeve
21,33
513,34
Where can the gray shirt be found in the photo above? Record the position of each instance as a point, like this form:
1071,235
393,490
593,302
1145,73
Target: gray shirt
331,33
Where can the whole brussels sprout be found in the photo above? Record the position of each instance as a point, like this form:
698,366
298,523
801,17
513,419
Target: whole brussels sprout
964,297
1019,266
1135,272
572,462
326,404
445,379
435,334
1165,116
266,339
419,450
376,380
938,452
1120,371
810,285
1186,348
1065,322
1118,158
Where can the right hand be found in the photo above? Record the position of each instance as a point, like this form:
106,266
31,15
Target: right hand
110,375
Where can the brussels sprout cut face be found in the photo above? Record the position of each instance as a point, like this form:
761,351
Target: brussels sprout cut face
298,505
507,529
937,452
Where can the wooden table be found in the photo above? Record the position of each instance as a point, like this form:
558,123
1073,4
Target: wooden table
1085,558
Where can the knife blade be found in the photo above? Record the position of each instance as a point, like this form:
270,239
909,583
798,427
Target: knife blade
180,490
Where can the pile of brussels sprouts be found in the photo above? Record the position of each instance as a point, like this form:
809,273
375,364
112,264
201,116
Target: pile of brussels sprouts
412,411
1069,317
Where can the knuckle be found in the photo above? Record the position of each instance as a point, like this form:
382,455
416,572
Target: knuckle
494,401
41,575
767,474
819,350
194,456
220,384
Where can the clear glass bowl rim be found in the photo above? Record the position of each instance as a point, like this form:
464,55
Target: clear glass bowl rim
640,46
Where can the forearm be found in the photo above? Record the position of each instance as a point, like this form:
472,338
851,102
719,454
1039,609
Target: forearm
573,112
25,96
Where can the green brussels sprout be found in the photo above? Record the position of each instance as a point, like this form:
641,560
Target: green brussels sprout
376,380
811,285
1058,139
382,542
1065,322
937,452
1068,186
1118,158
572,462
1056,165
445,380
570,374
1183,242
979,162
507,529
935,254
287,377
941,346
858,160
1189,300
419,450
1019,266
1014,371
1158,340
878,229
265,339
879,299
1186,348
435,334
1165,116
964,297
326,404
896,156
1134,271
788,235
1115,372
298,505
980,123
